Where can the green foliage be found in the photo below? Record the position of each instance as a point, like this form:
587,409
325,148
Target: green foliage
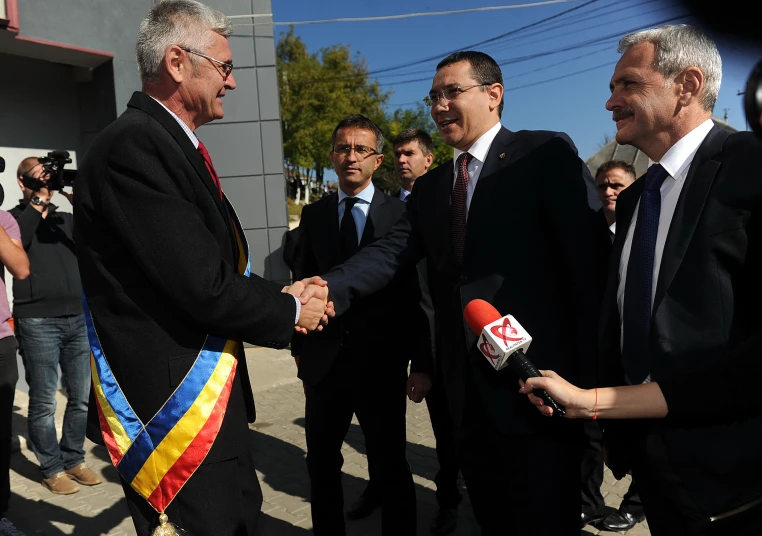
318,90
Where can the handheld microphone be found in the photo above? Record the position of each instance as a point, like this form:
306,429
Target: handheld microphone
503,341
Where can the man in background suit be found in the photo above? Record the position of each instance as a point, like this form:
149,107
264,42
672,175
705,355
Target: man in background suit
507,220
358,364
684,288
413,156
161,266
610,179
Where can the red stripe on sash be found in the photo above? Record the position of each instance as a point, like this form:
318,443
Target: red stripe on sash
108,435
189,461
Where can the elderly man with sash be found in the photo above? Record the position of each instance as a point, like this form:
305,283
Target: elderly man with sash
169,296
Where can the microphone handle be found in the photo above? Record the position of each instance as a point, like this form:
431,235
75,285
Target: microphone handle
524,368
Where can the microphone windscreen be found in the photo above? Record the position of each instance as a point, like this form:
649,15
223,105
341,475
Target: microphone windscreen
479,313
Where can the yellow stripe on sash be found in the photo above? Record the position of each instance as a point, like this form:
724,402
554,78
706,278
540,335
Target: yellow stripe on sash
120,435
184,432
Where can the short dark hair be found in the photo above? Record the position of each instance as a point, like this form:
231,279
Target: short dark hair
361,122
414,134
617,164
484,69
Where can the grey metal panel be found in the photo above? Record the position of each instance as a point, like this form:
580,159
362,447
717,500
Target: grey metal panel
272,147
239,104
242,47
235,148
269,103
259,250
275,193
265,47
247,194
276,268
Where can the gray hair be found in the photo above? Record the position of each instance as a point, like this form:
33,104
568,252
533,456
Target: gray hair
176,22
679,46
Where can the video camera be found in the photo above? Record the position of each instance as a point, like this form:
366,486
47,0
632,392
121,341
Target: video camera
53,166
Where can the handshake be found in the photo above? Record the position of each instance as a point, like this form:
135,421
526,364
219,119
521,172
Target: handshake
316,308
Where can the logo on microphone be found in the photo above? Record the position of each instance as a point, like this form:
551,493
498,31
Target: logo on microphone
487,349
506,332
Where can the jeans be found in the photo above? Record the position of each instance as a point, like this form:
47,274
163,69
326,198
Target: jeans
44,345
9,374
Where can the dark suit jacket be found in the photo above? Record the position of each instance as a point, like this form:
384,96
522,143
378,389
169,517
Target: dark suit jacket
157,256
530,251
706,305
388,326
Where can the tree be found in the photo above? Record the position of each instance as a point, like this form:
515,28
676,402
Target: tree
316,92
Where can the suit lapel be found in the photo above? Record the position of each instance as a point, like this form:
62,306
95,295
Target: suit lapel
154,109
373,215
443,203
499,156
690,204
328,236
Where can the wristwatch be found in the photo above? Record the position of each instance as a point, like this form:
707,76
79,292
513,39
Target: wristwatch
37,201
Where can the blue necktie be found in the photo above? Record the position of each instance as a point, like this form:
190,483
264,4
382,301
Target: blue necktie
638,287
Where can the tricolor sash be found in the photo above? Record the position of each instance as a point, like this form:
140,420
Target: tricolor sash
157,458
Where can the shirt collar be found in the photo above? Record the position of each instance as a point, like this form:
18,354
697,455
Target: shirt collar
480,147
191,136
404,193
366,195
680,155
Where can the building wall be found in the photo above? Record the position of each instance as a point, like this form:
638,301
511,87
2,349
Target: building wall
70,110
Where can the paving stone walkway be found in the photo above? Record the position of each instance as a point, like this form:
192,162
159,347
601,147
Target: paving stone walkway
279,445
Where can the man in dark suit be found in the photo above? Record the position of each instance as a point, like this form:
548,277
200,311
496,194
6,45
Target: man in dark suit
162,269
683,288
413,156
506,221
358,364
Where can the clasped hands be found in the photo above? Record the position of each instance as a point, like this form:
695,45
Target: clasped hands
316,307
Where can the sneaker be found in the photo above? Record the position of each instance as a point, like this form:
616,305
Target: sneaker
60,484
84,475
8,529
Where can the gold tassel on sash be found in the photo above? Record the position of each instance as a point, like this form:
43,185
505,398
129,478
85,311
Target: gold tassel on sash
165,528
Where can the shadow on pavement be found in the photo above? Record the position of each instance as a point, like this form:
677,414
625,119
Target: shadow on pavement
28,513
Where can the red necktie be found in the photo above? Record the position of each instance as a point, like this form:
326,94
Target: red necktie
459,197
209,166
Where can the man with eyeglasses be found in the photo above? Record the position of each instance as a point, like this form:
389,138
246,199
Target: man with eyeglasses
507,221
169,291
358,364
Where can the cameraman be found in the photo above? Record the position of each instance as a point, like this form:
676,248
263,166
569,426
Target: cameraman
50,327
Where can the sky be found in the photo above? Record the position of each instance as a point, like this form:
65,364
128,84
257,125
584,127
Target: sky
556,73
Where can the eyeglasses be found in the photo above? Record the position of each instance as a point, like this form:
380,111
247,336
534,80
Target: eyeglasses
448,94
227,66
361,151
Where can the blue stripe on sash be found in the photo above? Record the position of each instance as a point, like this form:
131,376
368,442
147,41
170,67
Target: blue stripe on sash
130,422
174,409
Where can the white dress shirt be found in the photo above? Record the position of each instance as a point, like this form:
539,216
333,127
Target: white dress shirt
403,194
478,152
360,210
676,161
194,140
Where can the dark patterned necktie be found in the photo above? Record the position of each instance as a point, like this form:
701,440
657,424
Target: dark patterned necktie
209,166
348,238
459,212
638,287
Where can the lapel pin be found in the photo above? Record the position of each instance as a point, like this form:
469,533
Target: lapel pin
501,156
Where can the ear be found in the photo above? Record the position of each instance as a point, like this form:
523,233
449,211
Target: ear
495,95
378,162
429,160
691,85
173,63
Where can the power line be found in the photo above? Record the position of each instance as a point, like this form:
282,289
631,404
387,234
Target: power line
394,17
